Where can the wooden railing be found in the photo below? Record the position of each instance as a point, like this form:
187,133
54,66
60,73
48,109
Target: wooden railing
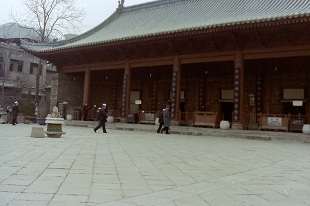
92,114
148,117
186,118
112,113
274,122
271,121
250,121
207,119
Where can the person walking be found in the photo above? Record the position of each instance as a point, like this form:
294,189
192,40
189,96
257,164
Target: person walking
166,119
102,117
15,113
161,121
106,107
85,111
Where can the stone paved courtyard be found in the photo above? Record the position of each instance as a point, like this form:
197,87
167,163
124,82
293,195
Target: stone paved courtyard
130,168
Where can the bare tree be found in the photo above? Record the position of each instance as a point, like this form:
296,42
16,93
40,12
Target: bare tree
49,18
5,53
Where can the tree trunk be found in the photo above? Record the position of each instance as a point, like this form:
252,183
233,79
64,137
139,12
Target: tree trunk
38,81
3,90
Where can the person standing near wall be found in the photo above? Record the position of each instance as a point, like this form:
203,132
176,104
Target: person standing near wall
102,117
85,111
166,119
15,113
9,115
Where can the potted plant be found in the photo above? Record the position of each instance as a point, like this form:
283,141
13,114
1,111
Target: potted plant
28,110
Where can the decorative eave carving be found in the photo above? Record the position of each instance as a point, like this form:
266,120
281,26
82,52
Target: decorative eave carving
216,43
176,46
288,37
262,39
238,41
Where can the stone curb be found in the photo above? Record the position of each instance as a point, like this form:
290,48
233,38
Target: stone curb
198,131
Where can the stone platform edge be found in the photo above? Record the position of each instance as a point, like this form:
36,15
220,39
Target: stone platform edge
199,131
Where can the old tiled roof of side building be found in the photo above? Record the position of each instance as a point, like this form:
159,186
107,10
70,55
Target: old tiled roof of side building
12,30
172,16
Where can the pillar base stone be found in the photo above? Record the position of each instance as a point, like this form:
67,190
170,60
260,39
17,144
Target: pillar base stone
237,126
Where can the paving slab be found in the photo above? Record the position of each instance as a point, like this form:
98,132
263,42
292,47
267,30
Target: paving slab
138,168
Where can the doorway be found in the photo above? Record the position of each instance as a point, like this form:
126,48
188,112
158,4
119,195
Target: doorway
294,110
227,109
134,95
182,106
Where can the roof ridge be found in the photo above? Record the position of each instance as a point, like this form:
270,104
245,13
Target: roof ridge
152,5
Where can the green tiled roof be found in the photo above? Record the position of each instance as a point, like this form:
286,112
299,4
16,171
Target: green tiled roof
171,16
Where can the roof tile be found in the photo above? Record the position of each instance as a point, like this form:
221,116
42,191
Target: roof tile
169,16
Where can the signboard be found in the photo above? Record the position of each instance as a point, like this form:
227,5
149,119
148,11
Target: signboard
297,103
138,102
149,116
132,118
274,121
297,124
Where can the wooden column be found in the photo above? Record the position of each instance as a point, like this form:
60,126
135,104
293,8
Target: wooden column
126,91
238,90
86,86
176,89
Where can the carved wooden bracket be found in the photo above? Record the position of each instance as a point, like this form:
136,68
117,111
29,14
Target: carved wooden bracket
125,52
288,37
196,45
238,41
112,54
140,50
216,43
158,49
176,46
262,39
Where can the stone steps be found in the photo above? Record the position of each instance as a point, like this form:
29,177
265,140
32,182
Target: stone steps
199,131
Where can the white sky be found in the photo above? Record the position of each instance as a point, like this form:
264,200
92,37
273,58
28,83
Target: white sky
97,10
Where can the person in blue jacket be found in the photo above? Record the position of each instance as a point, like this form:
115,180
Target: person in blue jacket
166,119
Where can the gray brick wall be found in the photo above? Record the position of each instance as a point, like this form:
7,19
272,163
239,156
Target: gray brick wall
67,87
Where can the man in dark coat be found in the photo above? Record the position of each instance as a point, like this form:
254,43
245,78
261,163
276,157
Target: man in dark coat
160,120
102,117
15,112
106,107
85,111
166,119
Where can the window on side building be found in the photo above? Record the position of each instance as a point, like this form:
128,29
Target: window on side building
1,62
20,66
16,65
34,68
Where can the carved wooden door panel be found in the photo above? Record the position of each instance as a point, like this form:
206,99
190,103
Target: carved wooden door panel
192,95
